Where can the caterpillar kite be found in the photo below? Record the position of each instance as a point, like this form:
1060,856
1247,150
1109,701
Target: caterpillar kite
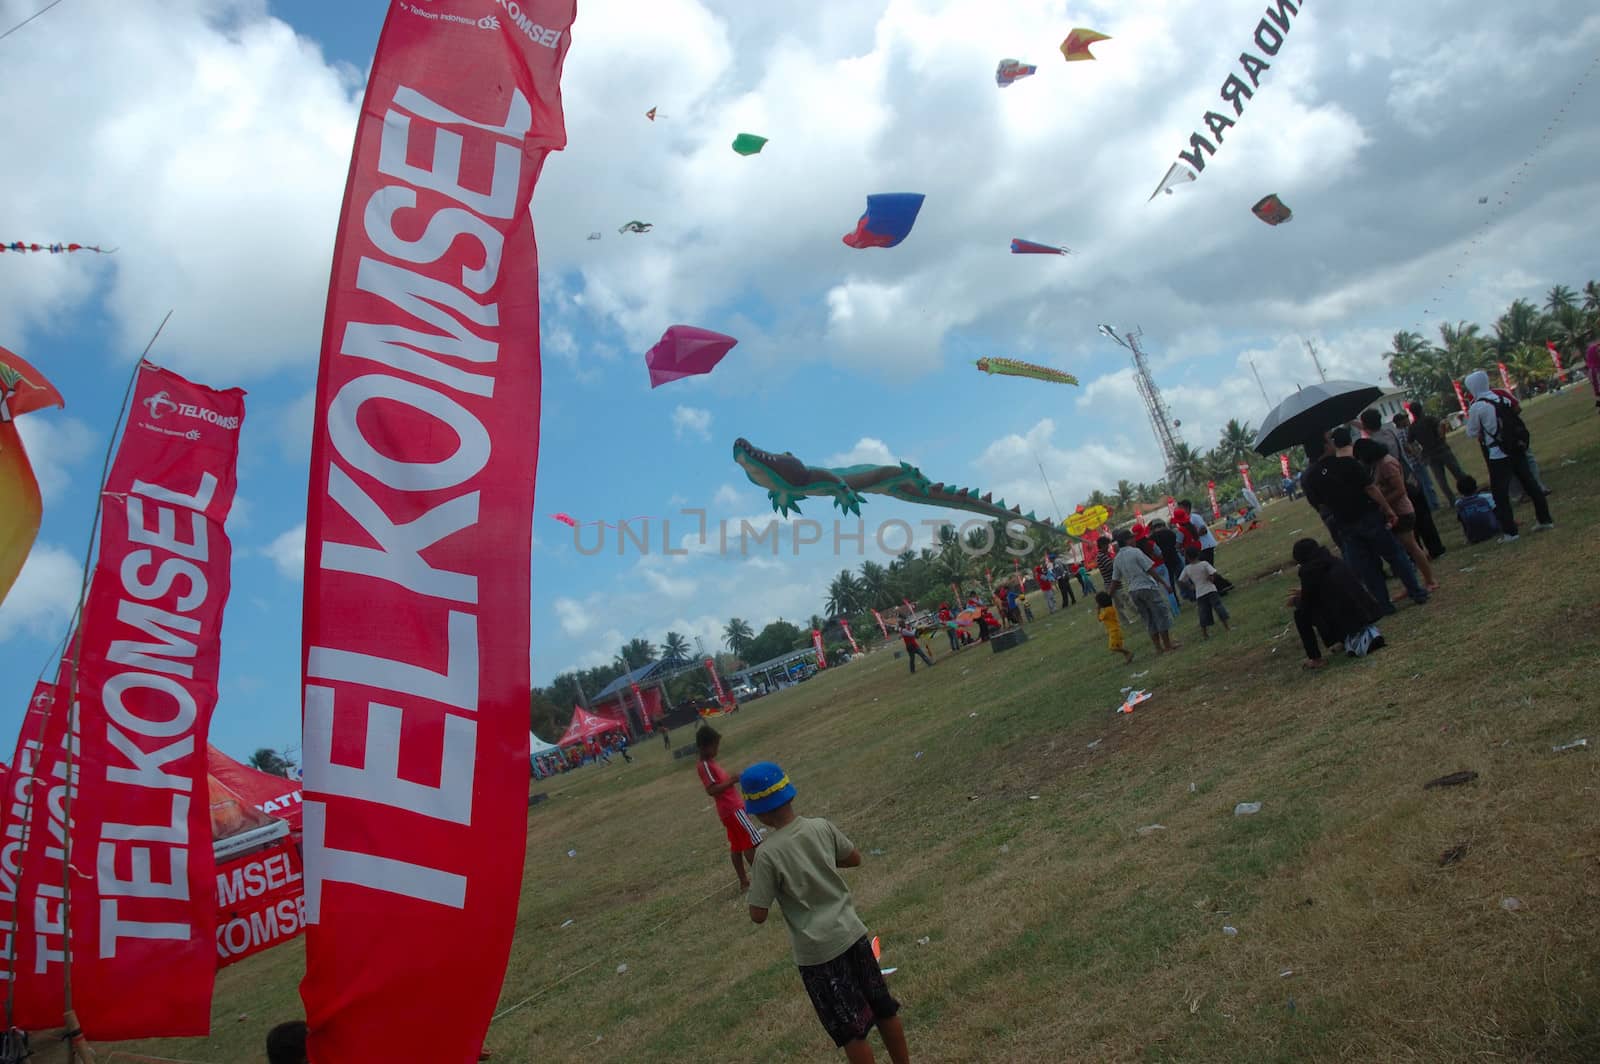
1010,367
20,246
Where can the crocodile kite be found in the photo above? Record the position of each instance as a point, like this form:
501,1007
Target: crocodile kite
788,480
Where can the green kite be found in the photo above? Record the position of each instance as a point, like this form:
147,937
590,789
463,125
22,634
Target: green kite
748,144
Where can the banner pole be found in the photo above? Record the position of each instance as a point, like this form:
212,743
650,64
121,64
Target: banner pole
80,1048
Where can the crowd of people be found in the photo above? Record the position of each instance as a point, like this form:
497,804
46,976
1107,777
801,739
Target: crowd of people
1376,497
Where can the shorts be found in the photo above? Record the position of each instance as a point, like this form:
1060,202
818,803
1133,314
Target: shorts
743,832
1153,609
849,993
1405,523
1211,603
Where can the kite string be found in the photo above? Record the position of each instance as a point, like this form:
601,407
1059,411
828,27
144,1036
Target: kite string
29,19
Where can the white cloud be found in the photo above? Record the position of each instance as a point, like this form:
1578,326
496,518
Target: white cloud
727,495
573,617
56,444
691,421
867,451
45,594
292,425
236,134
288,552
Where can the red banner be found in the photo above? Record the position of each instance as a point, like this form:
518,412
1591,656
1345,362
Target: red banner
16,813
1283,462
1555,356
854,648
1505,378
1244,471
1460,395
261,903
419,521
724,700
644,714
1211,492
816,641
149,651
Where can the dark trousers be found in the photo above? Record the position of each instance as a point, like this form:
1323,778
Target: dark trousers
955,640
1367,542
1501,470
915,651
1308,635
1067,597
1446,460
1427,531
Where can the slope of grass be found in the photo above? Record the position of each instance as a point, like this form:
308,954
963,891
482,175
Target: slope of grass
1056,930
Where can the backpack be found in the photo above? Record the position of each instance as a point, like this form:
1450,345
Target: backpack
1511,433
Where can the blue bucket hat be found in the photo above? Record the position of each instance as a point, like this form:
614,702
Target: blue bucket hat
765,787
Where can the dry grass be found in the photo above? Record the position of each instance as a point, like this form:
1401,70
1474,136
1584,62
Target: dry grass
1056,931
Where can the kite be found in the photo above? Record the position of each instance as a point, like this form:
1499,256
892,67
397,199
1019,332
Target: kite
651,114
685,351
20,246
1010,367
1135,698
1272,210
877,955
567,519
748,143
1076,47
636,227
788,480
1028,247
887,221
1087,520
594,236
23,390
1177,174
1010,70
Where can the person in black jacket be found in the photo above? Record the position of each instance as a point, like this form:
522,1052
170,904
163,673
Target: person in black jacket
1333,603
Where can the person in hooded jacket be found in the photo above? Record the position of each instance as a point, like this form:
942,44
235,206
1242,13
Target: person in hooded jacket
1505,459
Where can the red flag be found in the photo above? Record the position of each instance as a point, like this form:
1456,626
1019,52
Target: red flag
142,909
1283,462
1460,396
1244,471
1505,378
1555,356
644,714
260,902
419,520
854,648
816,641
723,698
1211,490
885,628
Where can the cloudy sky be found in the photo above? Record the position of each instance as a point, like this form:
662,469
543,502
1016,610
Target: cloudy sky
208,141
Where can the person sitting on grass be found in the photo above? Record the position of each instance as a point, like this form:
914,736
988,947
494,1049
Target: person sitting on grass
743,835
1107,614
1201,575
1133,570
1332,602
1475,511
798,868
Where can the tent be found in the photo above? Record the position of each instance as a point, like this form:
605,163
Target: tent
537,747
236,825
586,725
273,795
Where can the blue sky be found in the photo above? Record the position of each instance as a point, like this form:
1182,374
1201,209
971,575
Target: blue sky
209,139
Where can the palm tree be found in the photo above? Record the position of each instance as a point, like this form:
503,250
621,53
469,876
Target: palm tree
1099,498
737,635
1218,465
1572,330
1236,440
817,623
846,594
675,647
1559,298
1530,367
875,580
636,654
1189,466
1124,493
1591,298
1520,324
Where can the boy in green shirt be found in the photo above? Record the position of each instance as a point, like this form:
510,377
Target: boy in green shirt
797,867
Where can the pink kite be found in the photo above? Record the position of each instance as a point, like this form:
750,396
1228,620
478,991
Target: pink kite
685,351
568,520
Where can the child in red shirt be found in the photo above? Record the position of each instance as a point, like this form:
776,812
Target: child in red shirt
743,835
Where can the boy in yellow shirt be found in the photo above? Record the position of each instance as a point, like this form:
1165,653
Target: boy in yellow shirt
1113,624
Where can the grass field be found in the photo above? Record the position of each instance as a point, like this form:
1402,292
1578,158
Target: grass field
1056,930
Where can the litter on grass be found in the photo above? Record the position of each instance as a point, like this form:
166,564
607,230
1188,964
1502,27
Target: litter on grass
572,853
568,922
1510,905
1151,829
917,756
1134,699
1247,809
1229,931
924,940
1096,743
622,969
1576,744
1455,779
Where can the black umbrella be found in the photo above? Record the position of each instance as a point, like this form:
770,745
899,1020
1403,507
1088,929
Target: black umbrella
1312,411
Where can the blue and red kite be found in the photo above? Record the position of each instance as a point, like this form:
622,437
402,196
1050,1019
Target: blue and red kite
889,218
1028,247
